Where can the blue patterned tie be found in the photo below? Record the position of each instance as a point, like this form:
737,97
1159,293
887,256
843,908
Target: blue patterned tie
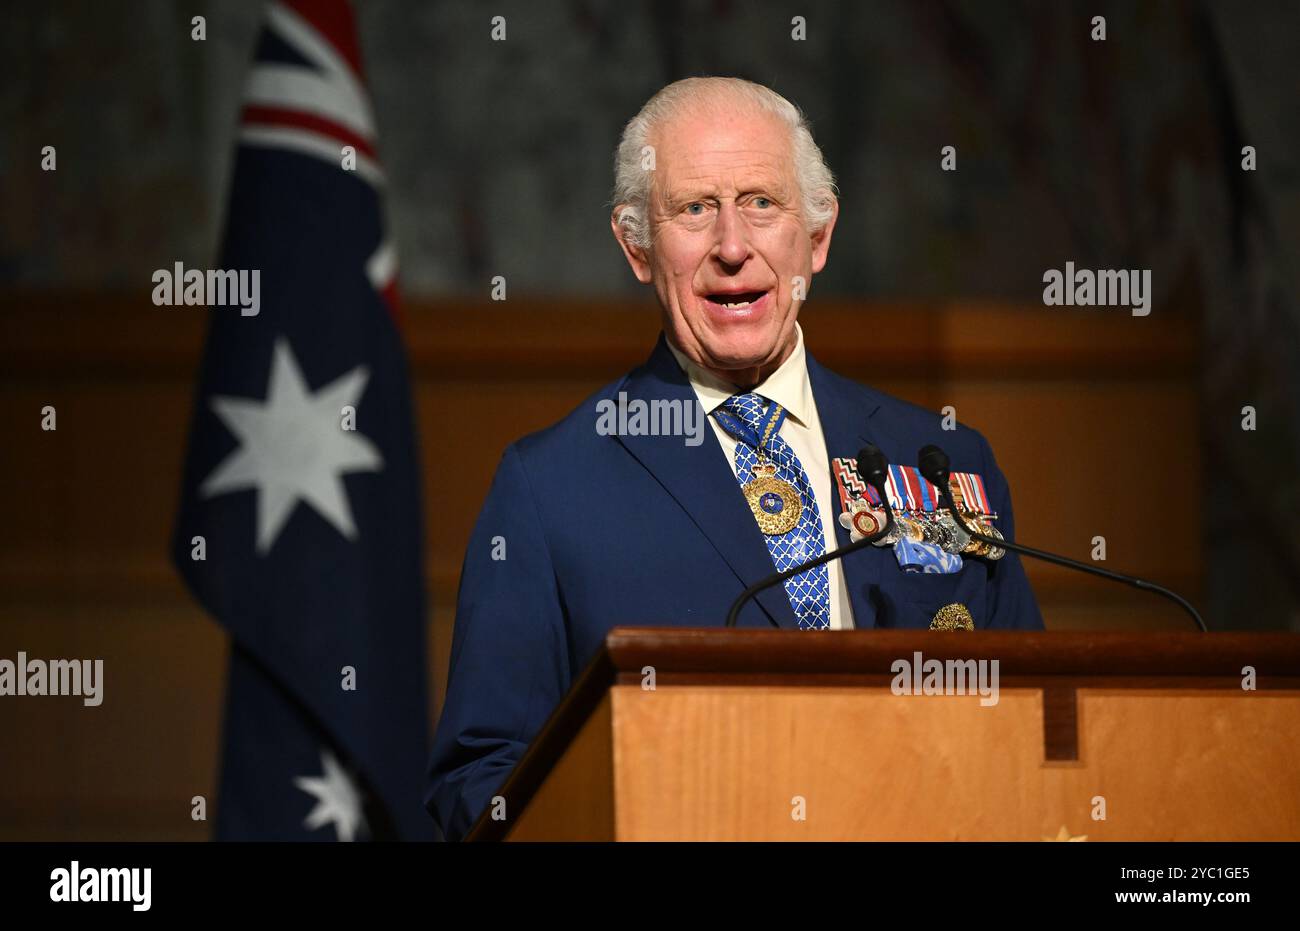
809,592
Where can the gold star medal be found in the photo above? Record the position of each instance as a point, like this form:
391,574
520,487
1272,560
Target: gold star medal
774,501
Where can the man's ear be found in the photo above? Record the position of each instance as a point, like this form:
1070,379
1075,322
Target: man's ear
821,240
636,256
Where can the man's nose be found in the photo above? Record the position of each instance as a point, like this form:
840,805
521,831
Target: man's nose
732,246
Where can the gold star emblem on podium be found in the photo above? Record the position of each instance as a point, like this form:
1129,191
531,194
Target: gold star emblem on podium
1064,835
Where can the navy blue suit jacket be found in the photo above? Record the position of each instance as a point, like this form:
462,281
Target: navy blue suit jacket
604,530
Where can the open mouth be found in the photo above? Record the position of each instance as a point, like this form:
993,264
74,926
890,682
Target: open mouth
741,300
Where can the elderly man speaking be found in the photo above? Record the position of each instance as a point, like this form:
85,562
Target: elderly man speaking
724,204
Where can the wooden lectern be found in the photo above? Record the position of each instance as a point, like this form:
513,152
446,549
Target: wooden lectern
715,734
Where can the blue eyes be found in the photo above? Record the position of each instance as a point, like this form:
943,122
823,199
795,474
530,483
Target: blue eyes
761,202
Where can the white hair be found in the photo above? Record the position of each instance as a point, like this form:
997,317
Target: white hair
632,181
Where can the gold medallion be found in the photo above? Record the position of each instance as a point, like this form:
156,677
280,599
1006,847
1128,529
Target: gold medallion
910,527
955,616
774,501
993,552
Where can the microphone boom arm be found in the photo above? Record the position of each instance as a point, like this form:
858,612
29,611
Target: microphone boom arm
946,492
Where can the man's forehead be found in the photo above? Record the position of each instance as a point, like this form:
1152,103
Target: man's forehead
734,150
706,183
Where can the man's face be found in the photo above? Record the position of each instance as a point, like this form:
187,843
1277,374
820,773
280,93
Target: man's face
729,240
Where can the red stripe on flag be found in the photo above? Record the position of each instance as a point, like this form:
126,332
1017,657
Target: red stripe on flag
277,116
392,302
333,19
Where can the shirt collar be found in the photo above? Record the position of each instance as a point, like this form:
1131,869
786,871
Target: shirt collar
787,386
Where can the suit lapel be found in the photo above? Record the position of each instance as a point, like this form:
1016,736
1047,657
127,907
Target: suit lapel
850,420
701,481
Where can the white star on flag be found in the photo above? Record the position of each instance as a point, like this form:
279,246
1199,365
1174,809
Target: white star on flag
294,446
338,800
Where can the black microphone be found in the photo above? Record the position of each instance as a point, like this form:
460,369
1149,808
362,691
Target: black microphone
933,463
873,468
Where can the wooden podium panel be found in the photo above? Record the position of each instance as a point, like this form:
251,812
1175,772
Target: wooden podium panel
795,735
699,763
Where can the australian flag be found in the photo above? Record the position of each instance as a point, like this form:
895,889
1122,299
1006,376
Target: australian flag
299,527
